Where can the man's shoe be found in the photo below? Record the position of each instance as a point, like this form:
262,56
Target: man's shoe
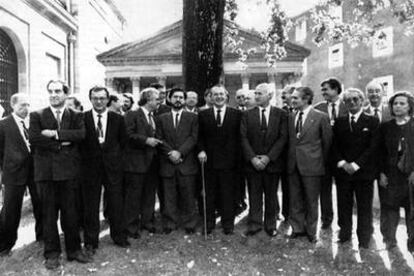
312,238
228,231
189,231
326,226
80,257
90,250
167,231
296,235
52,263
134,235
252,232
271,232
123,243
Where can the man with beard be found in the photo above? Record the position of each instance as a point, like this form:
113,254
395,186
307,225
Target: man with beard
178,131
55,134
376,108
219,144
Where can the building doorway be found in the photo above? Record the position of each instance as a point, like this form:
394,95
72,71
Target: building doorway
8,71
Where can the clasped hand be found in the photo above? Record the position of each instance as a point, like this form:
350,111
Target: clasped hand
175,157
260,162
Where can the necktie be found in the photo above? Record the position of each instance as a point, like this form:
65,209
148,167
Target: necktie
99,128
263,124
151,121
353,123
25,130
376,114
58,118
176,120
299,123
333,115
218,118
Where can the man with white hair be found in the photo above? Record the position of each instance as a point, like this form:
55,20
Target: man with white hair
240,99
16,164
264,135
191,102
375,92
356,140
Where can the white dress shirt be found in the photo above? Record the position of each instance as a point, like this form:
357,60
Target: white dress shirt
174,114
337,103
372,111
104,121
266,113
19,122
304,115
222,113
62,110
147,116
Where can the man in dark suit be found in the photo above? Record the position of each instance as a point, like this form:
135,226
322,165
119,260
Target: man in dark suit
141,165
55,133
263,136
17,173
375,92
310,137
219,145
178,131
356,139
191,102
333,106
162,107
102,166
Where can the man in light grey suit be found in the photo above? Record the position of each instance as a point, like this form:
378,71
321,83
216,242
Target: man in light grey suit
310,137
374,92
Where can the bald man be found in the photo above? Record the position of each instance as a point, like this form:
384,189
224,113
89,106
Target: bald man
191,102
375,92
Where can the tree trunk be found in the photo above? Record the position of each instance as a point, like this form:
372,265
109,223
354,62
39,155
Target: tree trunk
202,44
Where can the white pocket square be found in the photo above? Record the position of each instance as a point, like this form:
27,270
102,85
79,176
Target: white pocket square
365,129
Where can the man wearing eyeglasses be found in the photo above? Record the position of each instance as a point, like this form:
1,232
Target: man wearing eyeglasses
102,166
333,106
375,92
356,140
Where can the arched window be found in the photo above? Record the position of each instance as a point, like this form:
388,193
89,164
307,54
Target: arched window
8,71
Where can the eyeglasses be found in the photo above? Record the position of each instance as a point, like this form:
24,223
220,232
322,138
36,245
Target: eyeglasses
324,89
352,99
98,99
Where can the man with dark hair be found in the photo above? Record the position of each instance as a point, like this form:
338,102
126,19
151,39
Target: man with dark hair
333,106
264,134
310,137
141,165
16,165
128,102
74,103
162,96
178,131
207,99
114,104
102,166
219,145
55,133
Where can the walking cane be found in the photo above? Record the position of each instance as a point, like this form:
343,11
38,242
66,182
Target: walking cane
204,199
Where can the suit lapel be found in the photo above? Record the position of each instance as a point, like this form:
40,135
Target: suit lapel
256,118
272,121
50,118
17,133
109,127
65,120
308,122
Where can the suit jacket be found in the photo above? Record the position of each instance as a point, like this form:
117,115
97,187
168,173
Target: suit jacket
182,139
309,151
271,143
54,161
359,145
15,160
110,152
138,156
323,106
163,108
221,144
385,112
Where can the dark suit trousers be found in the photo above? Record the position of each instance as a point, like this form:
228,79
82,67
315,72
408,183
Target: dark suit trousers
260,183
179,201
220,189
11,212
140,199
59,196
91,192
392,198
364,193
326,198
304,197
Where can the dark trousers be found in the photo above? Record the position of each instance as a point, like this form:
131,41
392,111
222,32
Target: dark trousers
220,195
140,200
326,198
285,195
11,212
392,198
304,194
59,196
260,183
364,193
91,193
179,201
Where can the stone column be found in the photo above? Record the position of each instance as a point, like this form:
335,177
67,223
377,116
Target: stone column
135,88
245,80
71,61
162,80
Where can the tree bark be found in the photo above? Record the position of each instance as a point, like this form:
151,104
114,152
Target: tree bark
202,56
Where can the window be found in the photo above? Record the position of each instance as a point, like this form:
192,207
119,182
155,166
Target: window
382,44
336,56
388,84
300,30
335,11
53,66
